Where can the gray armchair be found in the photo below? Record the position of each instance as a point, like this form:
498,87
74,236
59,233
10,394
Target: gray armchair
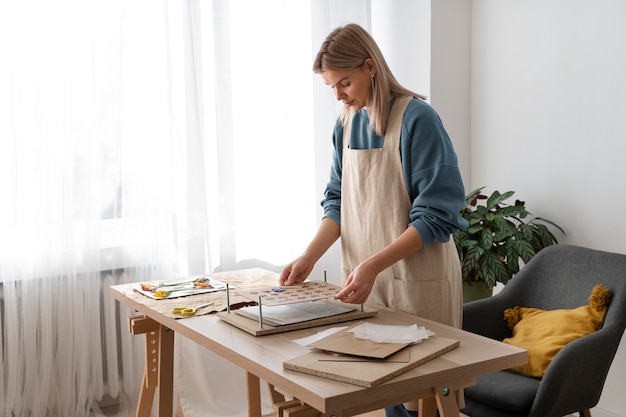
558,277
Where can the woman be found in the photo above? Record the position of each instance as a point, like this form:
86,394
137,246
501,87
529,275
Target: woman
395,191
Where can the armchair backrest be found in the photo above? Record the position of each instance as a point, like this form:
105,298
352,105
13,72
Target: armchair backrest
562,277
558,277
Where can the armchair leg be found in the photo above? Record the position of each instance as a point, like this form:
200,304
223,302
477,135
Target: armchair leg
585,413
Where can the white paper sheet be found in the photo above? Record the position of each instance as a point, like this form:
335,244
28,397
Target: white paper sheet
391,334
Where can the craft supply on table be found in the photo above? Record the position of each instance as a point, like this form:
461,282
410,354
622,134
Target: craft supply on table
244,278
347,342
159,290
189,311
284,308
275,295
280,315
365,366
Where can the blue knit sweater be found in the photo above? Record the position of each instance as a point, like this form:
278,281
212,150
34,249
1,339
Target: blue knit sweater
429,165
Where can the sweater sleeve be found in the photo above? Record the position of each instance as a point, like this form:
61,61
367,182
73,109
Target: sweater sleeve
331,203
431,173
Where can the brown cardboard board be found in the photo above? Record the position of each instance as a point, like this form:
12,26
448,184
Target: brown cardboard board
344,341
370,373
402,356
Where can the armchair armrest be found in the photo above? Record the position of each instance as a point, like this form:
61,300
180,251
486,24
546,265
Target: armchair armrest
486,318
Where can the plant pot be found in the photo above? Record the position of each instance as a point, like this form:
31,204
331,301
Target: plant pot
476,291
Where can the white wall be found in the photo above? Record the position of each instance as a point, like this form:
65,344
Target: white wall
533,94
450,74
548,107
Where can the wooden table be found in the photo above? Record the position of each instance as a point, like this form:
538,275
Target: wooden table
433,383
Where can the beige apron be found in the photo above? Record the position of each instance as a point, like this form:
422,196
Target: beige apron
375,209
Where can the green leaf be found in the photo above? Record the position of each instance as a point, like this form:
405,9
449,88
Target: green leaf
547,238
469,243
523,249
473,254
471,198
486,239
515,250
551,223
504,229
470,263
513,211
527,232
497,198
493,270
512,264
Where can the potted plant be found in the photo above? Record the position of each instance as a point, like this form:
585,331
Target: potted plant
498,237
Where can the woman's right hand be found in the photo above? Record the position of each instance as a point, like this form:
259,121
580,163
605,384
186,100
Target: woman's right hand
296,272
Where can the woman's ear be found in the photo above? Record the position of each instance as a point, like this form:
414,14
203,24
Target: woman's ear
371,66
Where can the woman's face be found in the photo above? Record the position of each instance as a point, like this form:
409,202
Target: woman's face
352,86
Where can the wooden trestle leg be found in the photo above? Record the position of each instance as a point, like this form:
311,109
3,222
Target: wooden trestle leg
159,366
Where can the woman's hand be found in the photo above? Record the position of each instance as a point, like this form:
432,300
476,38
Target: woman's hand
296,272
358,286
361,280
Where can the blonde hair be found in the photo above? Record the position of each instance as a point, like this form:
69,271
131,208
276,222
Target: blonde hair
348,47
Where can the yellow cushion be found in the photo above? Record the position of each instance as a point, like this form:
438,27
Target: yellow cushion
545,333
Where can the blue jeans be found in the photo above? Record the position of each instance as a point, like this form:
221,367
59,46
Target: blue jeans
400,411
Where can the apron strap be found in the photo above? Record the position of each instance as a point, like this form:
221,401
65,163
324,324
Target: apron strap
394,125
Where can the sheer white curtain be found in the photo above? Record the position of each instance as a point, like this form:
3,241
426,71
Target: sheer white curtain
257,59
144,139
254,91
93,183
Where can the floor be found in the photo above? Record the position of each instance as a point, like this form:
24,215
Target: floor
378,413
112,410
381,413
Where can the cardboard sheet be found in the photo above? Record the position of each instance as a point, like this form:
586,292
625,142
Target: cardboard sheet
402,356
370,373
345,342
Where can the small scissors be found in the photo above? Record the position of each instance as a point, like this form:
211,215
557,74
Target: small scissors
189,311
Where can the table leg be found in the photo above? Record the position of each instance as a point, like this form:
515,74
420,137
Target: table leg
146,395
276,396
159,367
446,402
254,395
427,407
166,372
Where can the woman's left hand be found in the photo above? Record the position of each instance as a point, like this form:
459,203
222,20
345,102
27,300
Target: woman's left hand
358,286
